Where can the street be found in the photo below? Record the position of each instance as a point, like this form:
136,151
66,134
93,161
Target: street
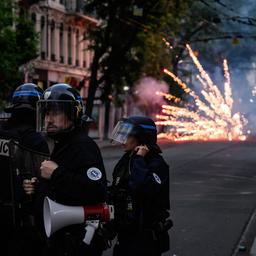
212,196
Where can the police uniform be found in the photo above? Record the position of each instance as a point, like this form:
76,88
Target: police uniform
79,179
17,136
26,138
141,199
140,193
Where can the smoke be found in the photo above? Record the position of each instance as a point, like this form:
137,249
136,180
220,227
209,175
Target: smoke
147,101
244,8
243,82
242,64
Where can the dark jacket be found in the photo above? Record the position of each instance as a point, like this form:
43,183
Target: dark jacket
140,194
144,181
25,149
27,140
71,183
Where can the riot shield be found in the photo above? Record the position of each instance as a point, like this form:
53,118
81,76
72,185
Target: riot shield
17,163
7,208
24,161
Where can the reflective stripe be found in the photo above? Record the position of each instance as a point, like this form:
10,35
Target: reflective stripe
151,127
27,93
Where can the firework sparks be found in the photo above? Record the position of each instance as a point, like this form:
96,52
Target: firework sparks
169,96
210,118
227,86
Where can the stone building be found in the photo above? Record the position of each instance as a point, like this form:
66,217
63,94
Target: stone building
63,52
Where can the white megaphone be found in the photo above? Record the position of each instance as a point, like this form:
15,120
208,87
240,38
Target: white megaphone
57,216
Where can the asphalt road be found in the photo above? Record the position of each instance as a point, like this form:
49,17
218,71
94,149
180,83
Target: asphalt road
213,188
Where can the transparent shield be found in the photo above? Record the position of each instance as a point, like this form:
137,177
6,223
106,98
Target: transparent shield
121,132
16,163
24,161
55,116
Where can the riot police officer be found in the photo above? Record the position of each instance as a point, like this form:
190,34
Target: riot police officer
140,190
19,141
75,173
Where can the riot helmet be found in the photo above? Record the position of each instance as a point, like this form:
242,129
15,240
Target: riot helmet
25,98
60,110
142,128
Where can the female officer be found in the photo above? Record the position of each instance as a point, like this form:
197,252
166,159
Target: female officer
140,190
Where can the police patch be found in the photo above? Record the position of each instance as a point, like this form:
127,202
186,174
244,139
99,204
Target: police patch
94,173
47,95
157,179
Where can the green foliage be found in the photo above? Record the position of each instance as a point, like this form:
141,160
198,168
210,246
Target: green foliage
126,30
18,42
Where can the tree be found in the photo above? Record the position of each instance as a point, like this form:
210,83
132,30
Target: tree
18,42
112,41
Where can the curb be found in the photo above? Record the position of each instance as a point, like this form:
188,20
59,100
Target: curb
253,249
246,245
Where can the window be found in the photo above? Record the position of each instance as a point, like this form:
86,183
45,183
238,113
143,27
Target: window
52,41
69,46
61,44
77,47
43,38
33,18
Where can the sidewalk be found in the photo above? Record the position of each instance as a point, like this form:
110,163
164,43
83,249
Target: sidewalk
107,144
104,143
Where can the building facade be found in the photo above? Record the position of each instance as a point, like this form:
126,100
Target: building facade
64,54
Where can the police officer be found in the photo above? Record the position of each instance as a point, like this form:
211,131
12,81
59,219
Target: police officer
22,122
75,173
19,132
140,190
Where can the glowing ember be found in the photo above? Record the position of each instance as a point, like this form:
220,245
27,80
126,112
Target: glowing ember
210,117
169,97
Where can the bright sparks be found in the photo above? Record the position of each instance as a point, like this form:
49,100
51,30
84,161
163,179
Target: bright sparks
169,97
210,117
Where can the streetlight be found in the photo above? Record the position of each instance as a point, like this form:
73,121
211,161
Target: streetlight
126,89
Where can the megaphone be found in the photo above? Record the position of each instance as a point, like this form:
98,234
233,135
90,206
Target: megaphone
57,216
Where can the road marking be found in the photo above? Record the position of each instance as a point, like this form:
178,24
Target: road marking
198,181
246,193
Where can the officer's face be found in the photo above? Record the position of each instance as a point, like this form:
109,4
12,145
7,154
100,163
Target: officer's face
130,144
56,121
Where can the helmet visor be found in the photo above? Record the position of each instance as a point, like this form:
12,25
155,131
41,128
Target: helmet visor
121,132
54,116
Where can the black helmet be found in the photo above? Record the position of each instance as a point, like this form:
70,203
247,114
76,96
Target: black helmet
60,98
142,128
25,97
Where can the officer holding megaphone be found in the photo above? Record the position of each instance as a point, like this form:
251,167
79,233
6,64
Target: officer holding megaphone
74,178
